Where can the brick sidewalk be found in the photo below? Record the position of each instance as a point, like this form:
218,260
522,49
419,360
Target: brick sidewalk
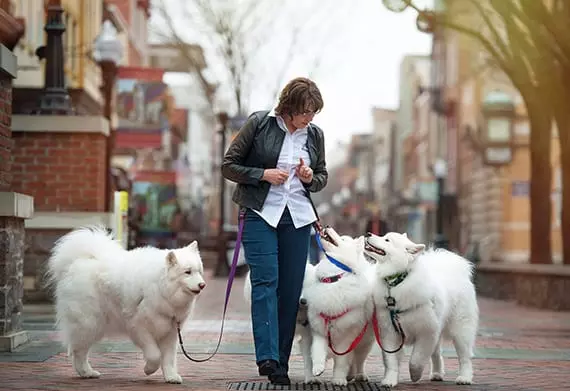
517,349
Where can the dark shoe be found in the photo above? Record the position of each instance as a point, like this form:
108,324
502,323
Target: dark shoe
267,367
279,377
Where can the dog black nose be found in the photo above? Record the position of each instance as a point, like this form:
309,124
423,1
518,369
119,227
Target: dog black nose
303,301
368,234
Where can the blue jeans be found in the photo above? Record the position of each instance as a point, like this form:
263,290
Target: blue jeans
276,259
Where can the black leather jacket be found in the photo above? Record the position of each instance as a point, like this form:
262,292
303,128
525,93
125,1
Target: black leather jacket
256,147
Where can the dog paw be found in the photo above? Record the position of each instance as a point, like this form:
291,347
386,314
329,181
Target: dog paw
90,374
436,376
173,379
312,380
151,367
463,380
390,380
318,369
416,372
339,381
361,377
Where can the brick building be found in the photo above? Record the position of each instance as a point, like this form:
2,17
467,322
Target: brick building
14,206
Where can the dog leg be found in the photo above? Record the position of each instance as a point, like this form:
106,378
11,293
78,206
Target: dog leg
360,355
423,349
391,360
464,348
437,367
350,377
167,348
143,339
81,363
341,369
307,361
319,350
81,337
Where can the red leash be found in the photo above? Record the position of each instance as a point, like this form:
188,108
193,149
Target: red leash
398,328
328,327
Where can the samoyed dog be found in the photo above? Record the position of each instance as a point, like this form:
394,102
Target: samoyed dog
340,307
432,297
303,331
103,290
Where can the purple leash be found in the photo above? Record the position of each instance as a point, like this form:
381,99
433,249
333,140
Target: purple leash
231,277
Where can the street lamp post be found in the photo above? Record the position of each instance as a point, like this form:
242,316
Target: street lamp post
222,264
440,172
55,99
107,52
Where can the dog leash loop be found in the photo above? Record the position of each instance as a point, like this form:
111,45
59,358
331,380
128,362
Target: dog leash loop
231,277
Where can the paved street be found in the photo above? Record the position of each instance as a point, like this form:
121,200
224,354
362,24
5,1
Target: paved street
517,349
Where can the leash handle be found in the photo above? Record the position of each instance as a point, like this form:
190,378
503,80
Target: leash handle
231,277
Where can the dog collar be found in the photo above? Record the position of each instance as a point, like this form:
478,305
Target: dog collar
331,279
395,279
332,260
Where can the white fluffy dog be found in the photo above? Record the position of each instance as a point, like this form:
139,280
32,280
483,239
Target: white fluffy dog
302,330
340,305
102,290
434,298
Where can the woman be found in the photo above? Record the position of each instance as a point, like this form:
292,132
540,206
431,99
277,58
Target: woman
277,158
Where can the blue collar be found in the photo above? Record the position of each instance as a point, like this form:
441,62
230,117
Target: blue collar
335,262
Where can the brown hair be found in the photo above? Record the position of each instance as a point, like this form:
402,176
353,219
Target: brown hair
300,95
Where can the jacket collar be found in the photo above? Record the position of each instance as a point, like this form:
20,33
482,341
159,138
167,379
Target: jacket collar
281,122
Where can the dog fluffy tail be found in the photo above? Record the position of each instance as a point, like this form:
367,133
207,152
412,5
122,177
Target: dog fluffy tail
83,243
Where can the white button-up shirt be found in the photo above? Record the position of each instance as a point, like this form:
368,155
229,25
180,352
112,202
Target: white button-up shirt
290,194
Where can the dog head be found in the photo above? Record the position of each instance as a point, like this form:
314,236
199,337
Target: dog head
345,249
185,270
392,253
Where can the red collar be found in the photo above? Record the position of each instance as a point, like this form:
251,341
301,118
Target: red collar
331,279
328,318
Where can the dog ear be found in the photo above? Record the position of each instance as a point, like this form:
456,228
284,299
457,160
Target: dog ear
360,242
193,246
171,259
415,249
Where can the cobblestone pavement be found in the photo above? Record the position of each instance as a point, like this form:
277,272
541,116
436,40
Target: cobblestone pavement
517,349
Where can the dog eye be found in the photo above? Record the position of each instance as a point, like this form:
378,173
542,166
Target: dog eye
387,240
188,272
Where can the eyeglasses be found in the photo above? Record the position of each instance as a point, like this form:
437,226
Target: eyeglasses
306,114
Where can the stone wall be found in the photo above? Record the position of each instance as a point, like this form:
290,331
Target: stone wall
540,286
11,271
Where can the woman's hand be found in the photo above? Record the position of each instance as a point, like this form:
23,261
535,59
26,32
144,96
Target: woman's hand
305,173
275,176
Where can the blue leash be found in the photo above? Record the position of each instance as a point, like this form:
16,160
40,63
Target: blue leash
334,261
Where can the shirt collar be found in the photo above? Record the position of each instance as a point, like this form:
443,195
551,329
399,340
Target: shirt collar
282,125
